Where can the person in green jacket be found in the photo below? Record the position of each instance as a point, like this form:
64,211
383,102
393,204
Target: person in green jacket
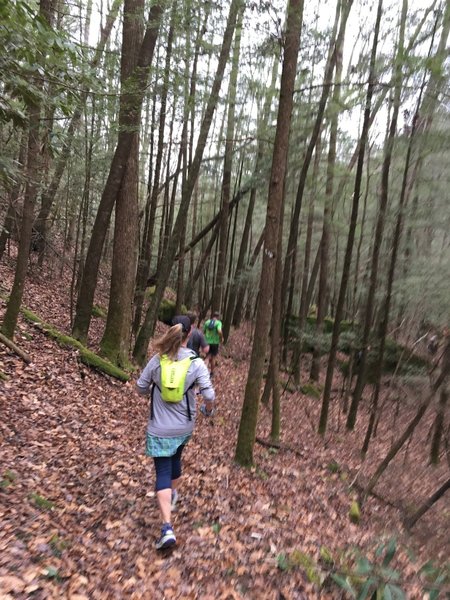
212,329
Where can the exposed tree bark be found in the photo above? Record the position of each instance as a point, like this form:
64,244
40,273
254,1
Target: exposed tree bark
218,293
115,343
326,227
144,263
274,217
379,228
438,427
351,233
405,189
133,99
15,348
147,328
49,193
238,311
342,12
442,380
243,249
412,520
12,212
31,190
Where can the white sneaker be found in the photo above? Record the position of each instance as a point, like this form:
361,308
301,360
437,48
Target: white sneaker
167,538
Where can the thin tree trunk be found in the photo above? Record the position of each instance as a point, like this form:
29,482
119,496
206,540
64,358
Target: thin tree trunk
218,293
133,100
274,218
147,328
49,193
12,212
379,228
342,12
325,241
148,241
31,189
412,520
441,381
405,188
438,427
351,233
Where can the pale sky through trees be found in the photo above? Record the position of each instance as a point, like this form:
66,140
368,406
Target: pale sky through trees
319,16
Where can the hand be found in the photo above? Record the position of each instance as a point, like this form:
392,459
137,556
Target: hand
206,412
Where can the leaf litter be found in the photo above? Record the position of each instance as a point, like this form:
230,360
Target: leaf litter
78,514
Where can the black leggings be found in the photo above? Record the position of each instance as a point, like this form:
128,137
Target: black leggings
167,468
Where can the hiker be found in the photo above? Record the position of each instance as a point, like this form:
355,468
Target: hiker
197,341
170,377
213,334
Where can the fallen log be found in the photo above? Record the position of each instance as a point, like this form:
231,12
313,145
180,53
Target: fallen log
279,446
88,357
15,348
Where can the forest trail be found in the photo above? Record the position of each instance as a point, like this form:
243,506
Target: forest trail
78,516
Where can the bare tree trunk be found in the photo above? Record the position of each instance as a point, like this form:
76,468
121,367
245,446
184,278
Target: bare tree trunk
12,212
148,241
405,188
351,233
379,228
148,326
133,100
115,343
31,190
438,427
243,249
342,11
325,241
412,520
49,193
442,381
218,293
274,218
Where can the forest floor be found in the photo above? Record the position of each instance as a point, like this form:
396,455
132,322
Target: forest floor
78,516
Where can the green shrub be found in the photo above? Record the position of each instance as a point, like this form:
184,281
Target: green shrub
41,502
166,311
362,577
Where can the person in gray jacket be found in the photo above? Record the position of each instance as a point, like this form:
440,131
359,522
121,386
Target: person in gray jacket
171,424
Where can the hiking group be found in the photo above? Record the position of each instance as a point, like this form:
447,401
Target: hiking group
174,378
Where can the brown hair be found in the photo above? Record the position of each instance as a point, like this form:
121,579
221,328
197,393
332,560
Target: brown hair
193,318
171,341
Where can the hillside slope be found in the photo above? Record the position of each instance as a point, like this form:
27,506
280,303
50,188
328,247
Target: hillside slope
78,515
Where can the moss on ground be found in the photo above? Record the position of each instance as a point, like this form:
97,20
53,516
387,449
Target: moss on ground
88,357
310,389
99,311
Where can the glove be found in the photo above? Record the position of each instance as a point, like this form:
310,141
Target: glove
206,412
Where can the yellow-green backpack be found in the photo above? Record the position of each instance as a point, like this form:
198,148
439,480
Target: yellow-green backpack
173,377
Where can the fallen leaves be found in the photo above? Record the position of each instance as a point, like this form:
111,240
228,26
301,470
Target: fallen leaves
78,513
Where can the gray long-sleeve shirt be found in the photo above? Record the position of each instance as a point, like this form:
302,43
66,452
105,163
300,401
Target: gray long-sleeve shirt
171,419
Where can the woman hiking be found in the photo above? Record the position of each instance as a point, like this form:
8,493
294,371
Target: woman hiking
170,376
